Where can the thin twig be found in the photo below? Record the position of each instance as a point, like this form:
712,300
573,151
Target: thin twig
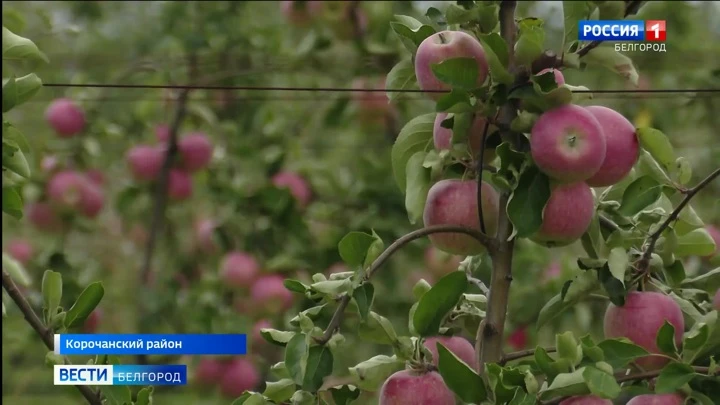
644,261
46,334
479,169
521,354
384,256
160,203
489,337
479,284
646,375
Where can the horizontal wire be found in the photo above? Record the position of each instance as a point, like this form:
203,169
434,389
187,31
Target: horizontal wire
331,89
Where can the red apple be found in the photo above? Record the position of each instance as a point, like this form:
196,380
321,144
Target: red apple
567,215
553,270
457,345
442,46
240,375
65,189
239,269
162,133
270,295
92,198
145,162
623,147
20,250
568,144
92,321
640,319
260,325
205,235
65,117
43,217
658,399
715,234
441,263
195,151
442,137
518,339
179,185
407,387
209,371
296,184
454,202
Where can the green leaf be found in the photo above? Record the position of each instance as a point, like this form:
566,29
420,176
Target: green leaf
332,287
566,384
459,377
52,289
618,263
601,383
455,14
377,247
52,359
591,350
415,136
620,352
611,10
411,31
438,302
567,347
378,329
581,286
675,273
319,366
401,77
688,220
658,145
345,395
496,53
615,61
116,394
372,373
16,162
456,101
665,339
418,185
12,134
682,170
296,355
574,11
85,304
531,42
354,247
363,297
15,47
16,270
673,377
310,313
593,241
144,396
695,243
639,194
527,202
457,72
17,91
277,337
296,286
709,281
696,338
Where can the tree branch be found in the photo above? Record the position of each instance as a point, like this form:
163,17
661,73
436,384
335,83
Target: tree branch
647,375
489,338
45,333
644,261
160,204
479,169
523,353
384,256
479,284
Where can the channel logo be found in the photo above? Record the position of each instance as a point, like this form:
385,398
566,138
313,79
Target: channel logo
622,30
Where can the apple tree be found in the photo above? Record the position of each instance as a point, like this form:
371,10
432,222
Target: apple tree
512,152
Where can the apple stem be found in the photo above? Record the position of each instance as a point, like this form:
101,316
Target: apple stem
45,333
442,38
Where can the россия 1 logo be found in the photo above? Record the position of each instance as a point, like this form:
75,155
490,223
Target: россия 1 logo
628,32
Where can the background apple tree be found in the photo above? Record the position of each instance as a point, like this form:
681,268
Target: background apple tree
203,168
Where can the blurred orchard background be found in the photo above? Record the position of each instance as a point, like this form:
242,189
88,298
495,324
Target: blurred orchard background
268,181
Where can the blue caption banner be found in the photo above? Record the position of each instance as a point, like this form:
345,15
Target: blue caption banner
611,30
174,374
130,344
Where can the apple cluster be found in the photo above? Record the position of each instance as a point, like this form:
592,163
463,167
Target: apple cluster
146,161
69,191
